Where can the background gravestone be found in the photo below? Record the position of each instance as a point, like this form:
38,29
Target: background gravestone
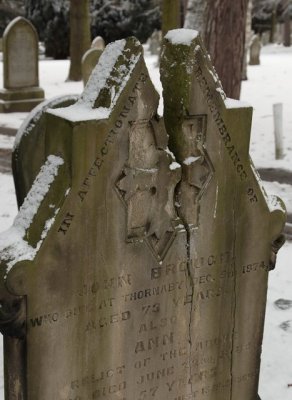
155,42
265,38
89,61
133,275
98,43
29,148
20,67
255,50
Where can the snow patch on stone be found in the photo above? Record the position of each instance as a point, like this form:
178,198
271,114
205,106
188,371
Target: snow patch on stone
84,108
181,36
30,121
232,103
13,246
174,165
191,160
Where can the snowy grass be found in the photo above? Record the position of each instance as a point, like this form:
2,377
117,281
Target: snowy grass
269,83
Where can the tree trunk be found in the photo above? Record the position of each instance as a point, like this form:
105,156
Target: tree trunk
225,40
184,8
287,30
196,16
170,15
248,36
79,36
222,26
273,26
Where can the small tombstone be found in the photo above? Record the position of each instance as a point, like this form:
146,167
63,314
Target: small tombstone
255,50
89,61
98,43
134,272
29,147
155,42
279,33
278,130
20,66
265,38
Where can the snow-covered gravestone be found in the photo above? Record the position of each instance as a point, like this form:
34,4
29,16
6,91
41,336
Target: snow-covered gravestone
233,228
20,68
128,275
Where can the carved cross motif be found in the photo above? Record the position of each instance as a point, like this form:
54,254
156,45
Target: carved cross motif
197,169
147,186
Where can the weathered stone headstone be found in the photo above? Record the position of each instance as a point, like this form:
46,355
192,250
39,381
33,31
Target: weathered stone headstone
89,61
98,43
279,33
233,228
265,38
20,67
255,50
29,148
128,275
155,42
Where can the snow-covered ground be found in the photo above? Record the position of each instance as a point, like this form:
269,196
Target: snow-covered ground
269,83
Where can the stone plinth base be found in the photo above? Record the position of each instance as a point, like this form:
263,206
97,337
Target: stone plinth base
20,100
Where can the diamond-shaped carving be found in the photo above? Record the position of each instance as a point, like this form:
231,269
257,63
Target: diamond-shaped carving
146,186
197,169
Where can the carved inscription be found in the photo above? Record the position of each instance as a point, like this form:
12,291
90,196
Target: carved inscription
65,224
227,140
156,333
119,125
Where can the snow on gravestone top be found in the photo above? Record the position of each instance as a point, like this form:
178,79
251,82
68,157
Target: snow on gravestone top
234,230
29,146
104,290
